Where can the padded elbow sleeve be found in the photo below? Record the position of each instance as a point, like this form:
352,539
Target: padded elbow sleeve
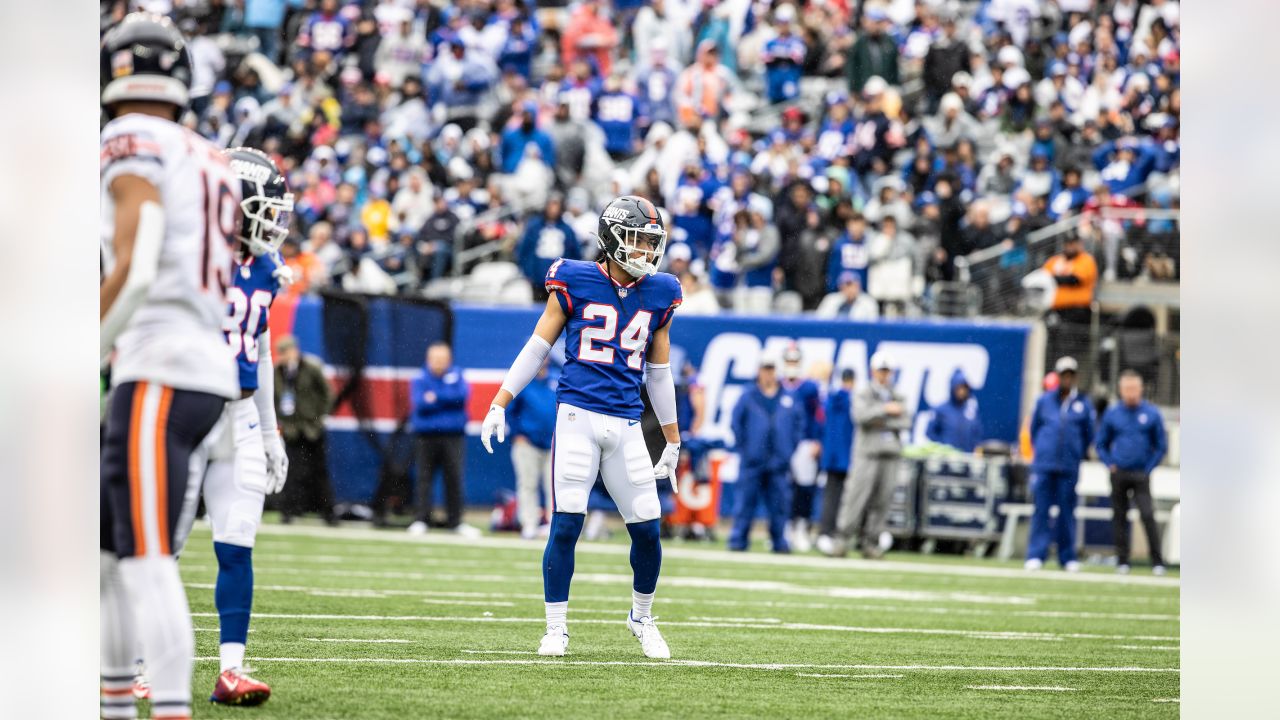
662,392
526,365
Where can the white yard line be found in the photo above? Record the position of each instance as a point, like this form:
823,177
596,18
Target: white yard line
1020,688
723,557
622,600
499,652
360,640
754,586
1163,648
836,675
710,664
982,634
1167,700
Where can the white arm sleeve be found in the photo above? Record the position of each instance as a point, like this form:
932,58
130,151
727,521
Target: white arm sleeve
265,396
526,366
142,272
662,392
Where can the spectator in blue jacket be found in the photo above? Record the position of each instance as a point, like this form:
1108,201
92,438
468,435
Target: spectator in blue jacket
850,254
837,446
1061,430
547,238
438,418
516,139
1131,443
957,422
1124,164
783,58
532,415
767,426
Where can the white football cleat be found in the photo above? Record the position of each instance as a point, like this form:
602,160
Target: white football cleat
469,532
651,641
1033,564
1122,569
1158,570
555,642
800,537
1072,566
418,528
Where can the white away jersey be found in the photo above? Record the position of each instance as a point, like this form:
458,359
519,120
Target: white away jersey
175,338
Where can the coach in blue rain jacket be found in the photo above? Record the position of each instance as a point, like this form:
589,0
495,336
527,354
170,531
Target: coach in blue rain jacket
1062,427
957,422
837,447
767,425
438,417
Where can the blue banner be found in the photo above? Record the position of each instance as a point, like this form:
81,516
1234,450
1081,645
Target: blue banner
725,349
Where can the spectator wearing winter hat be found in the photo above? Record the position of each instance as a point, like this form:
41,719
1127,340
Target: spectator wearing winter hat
957,422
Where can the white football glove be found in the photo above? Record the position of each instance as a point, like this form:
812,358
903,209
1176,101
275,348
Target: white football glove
284,274
494,422
666,467
277,462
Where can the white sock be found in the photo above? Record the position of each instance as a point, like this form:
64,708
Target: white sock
119,642
641,605
168,641
558,613
232,655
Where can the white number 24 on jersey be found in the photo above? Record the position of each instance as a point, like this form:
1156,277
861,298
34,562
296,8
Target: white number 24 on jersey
635,336
242,325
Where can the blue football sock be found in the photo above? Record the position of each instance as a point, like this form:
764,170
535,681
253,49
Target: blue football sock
646,555
233,593
557,559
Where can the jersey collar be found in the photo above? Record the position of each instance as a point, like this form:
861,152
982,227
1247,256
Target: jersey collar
631,284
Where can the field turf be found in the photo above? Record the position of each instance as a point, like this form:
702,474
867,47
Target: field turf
357,623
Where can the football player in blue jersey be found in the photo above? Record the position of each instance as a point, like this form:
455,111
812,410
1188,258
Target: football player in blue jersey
804,461
616,316
245,461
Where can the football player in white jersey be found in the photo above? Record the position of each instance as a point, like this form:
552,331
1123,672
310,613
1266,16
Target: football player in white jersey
244,459
170,208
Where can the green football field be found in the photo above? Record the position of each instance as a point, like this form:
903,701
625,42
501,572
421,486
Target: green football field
357,623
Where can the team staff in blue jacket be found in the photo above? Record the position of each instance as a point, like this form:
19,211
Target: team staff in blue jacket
1061,430
767,425
957,422
837,446
532,419
546,239
1131,442
438,417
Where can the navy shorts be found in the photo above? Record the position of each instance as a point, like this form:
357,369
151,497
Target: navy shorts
147,441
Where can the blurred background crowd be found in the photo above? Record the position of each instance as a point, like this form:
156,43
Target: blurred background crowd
854,158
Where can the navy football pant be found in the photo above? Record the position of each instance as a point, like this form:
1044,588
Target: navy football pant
1053,488
756,485
151,431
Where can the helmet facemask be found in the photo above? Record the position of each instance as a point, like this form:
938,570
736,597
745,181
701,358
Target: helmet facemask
639,250
268,221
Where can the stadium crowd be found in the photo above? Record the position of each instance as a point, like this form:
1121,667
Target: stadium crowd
807,155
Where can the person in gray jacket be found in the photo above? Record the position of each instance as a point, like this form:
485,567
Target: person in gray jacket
880,412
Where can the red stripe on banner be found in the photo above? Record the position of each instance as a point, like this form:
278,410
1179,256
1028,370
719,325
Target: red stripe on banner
388,399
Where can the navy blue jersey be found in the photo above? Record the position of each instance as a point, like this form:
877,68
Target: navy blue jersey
809,397
248,305
616,113
608,333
